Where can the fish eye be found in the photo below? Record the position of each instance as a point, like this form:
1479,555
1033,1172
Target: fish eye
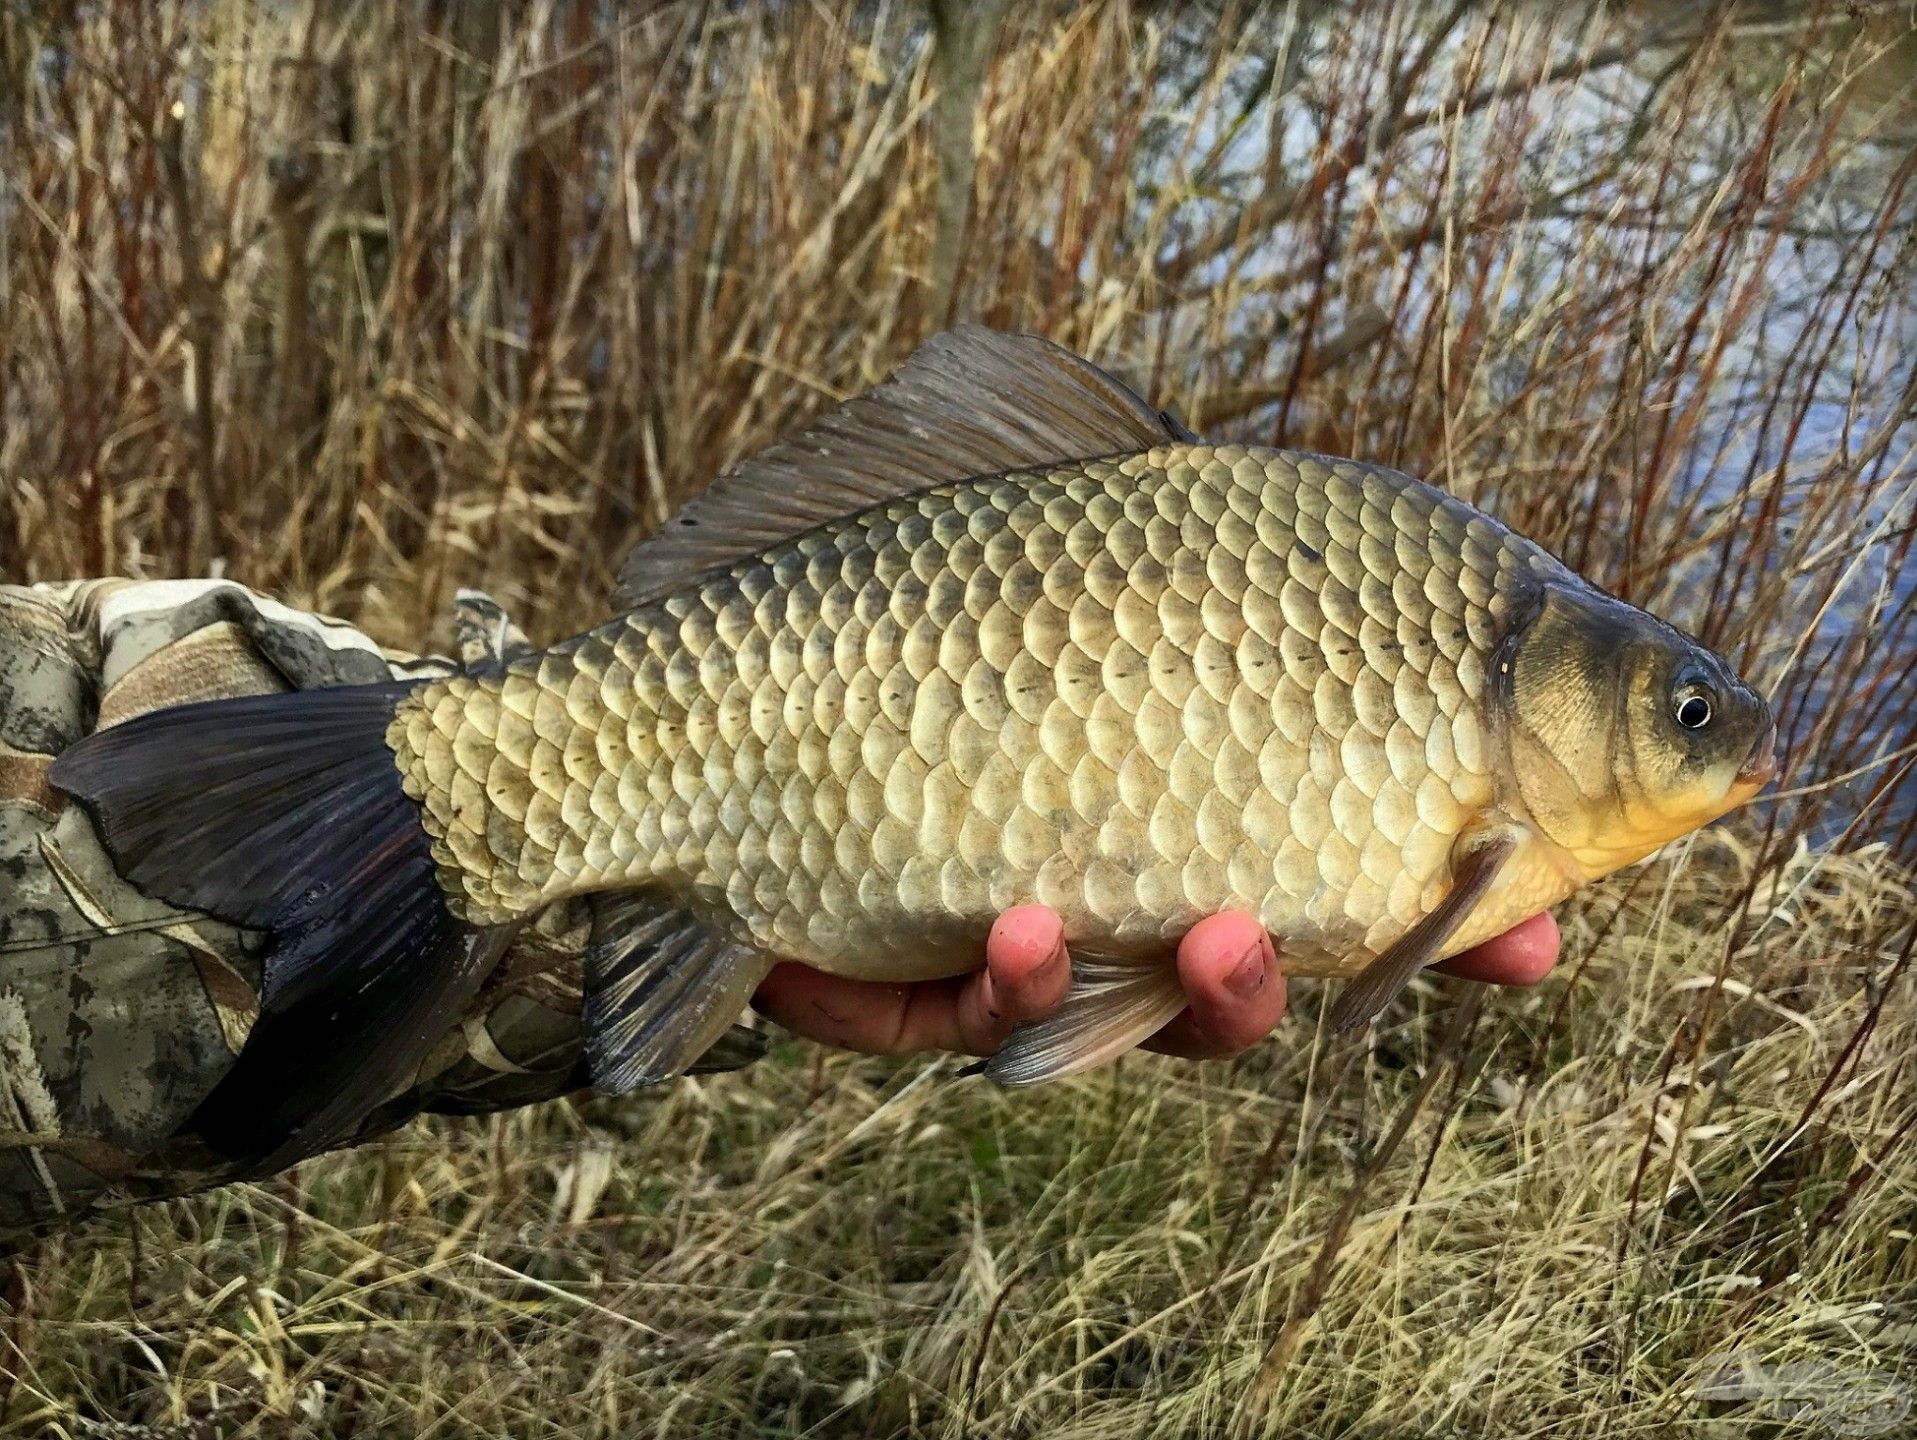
1692,705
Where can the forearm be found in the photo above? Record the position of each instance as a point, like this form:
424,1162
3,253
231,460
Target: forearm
118,1014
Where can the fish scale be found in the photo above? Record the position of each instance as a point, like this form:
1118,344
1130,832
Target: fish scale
1139,690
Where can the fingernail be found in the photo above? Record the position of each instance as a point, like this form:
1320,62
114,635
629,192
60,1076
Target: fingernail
988,996
1247,977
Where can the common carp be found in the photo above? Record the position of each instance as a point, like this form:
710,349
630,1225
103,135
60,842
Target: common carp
997,631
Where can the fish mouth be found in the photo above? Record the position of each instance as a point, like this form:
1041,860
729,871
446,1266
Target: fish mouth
1759,767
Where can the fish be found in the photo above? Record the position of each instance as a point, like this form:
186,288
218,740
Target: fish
996,631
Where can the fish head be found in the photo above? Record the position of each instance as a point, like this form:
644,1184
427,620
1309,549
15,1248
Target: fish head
1624,732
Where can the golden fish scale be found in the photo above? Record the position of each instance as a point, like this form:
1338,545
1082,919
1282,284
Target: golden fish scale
1139,690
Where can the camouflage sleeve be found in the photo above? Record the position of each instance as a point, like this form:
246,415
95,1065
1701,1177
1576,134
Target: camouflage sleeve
117,1014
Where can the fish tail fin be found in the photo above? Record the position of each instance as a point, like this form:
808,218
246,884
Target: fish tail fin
286,813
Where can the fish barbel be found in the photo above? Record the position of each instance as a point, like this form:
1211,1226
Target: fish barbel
997,632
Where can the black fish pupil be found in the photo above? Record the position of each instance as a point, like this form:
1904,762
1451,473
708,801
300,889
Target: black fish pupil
1694,712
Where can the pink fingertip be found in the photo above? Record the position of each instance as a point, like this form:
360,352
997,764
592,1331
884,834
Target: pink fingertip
1230,973
1522,955
1216,944
1024,937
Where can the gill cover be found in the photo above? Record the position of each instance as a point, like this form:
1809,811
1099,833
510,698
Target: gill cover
1625,732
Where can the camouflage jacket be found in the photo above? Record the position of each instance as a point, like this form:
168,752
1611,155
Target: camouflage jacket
118,1014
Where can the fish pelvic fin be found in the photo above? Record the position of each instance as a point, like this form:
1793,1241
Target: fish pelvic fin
662,993
1111,1006
1481,855
286,813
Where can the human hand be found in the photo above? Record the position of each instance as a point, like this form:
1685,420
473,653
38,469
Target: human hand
1234,989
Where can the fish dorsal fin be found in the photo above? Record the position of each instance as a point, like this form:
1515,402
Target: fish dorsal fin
970,401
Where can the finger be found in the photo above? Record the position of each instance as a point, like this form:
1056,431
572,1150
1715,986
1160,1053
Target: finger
1027,970
1234,988
1026,977
1522,955
862,1015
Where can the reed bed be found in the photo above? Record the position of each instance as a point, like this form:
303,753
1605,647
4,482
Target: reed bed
364,303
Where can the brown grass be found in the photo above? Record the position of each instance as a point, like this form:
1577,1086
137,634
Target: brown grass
366,303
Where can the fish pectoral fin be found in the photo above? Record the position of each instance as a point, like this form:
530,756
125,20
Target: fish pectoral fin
662,991
968,402
1378,984
1111,1006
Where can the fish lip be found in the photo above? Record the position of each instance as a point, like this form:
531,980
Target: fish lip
1760,766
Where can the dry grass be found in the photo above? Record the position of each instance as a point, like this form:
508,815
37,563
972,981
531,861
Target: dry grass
400,299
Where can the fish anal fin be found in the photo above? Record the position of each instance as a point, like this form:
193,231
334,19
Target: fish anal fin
968,402
661,991
1481,853
739,1047
1111,1007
